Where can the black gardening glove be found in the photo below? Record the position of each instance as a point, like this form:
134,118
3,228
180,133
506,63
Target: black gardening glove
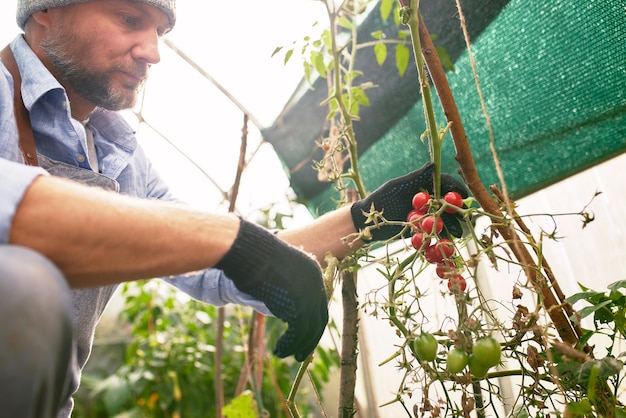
287,280
394,197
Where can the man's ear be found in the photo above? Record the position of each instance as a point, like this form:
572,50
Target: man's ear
41,17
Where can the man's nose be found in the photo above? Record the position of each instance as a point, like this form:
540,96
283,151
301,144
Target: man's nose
147,48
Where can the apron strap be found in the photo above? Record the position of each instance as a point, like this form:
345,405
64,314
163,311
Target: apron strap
22,118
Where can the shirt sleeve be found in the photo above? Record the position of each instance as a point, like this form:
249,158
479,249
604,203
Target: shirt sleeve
213,287
15,178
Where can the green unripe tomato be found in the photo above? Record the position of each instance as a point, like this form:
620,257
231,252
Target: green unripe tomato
425,347
456,361
487,351
477,369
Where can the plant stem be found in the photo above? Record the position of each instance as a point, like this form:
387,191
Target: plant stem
435,140
346,117
291,399
349,342
219,387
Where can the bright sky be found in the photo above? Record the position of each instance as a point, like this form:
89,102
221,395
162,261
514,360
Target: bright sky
233,43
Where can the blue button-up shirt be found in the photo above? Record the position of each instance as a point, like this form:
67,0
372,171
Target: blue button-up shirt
59,137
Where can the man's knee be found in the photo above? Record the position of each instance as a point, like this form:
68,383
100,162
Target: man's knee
35,333
31,285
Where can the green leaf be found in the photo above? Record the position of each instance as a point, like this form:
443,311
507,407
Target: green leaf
380,50
117,393
604,316
317,60
243,406
580,408
359,96
519,411
354,105
344,22
582,296
288,56
326,38
378,35
333,107
131,413
617,285
277,50
307,71
617,297
402,58
386,7
445,59
586,311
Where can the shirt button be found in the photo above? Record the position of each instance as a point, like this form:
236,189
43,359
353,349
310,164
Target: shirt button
80,158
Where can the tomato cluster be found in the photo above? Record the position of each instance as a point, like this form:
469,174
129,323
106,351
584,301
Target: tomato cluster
427,228
486,353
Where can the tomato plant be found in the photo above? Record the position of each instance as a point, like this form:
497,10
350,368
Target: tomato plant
425,347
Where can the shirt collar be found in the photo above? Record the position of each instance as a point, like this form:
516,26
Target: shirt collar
36,79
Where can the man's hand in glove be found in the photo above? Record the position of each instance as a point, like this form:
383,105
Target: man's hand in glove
394,197
287,280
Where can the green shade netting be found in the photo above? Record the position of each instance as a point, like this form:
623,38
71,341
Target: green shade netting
553,75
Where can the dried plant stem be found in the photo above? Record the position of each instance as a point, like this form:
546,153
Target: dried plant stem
465,159
221,315
483,105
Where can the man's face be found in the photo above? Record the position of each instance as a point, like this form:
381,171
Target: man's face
101,50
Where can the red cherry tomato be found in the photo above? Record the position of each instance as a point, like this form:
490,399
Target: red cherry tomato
433,255
440,251
457,284
417,240
432,225
445,267
420,201
415,217
446,247
454,199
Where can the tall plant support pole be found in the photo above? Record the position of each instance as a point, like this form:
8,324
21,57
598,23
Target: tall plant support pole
555,309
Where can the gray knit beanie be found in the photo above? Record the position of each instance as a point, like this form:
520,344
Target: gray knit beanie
27,7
